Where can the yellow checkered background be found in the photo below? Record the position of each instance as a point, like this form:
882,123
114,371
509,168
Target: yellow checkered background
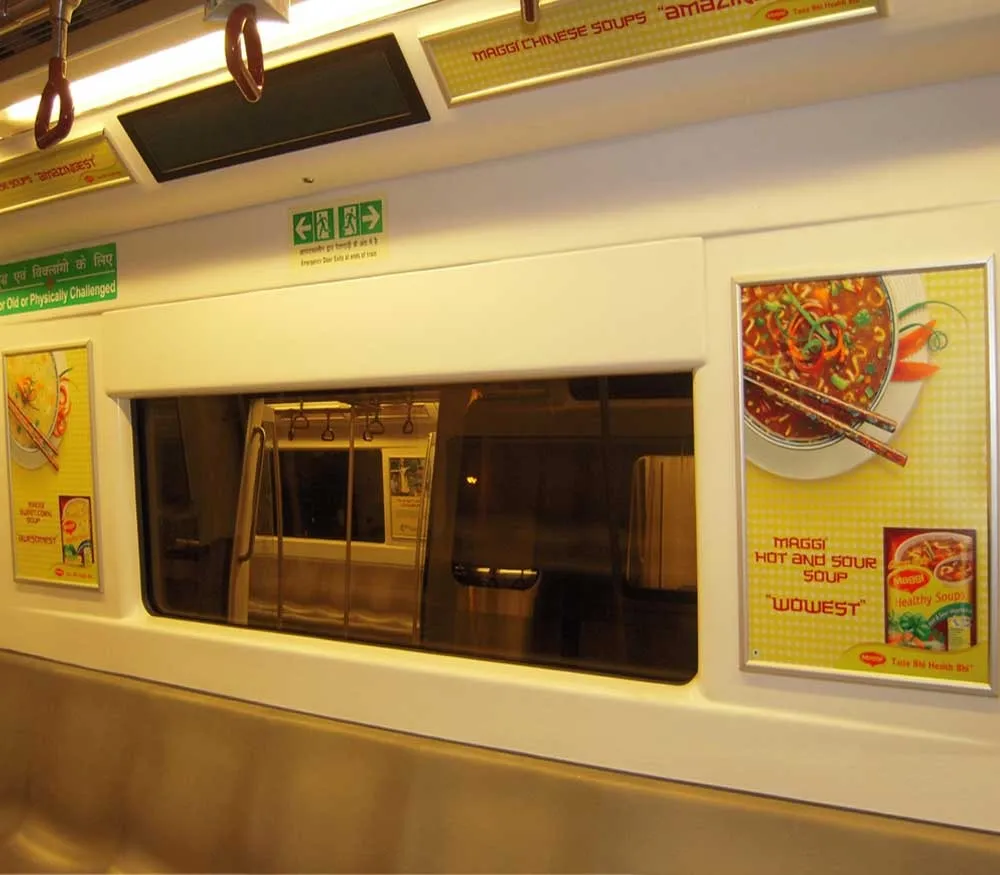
945,484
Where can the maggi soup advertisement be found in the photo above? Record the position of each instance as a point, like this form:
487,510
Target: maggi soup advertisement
49,448
867,410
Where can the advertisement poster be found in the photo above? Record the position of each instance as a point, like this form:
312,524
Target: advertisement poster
71,168
580,37
50,457
406,489
867,403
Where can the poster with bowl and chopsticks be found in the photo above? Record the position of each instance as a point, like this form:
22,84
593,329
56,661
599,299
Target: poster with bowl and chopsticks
50,466
868,476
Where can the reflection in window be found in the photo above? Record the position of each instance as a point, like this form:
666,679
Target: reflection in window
547,522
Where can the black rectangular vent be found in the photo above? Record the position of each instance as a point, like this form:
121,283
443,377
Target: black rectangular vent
349,92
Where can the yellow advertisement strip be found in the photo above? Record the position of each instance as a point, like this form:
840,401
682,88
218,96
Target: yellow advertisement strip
89,164
51,466
579,37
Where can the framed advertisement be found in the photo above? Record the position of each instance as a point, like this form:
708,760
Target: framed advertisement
868,475
50,440
406,491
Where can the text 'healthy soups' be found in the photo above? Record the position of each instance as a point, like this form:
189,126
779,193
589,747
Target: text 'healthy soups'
833,336
930,588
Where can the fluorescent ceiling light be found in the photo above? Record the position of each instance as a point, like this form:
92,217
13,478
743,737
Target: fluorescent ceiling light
206,54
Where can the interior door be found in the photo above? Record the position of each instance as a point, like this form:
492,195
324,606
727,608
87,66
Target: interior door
331,516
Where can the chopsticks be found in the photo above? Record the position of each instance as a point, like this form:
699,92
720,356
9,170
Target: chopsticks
50,452
869,443
849,410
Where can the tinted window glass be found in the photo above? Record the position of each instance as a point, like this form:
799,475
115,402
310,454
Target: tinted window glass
548,522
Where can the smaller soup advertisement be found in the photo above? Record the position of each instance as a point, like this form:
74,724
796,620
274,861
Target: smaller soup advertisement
867,404
50,463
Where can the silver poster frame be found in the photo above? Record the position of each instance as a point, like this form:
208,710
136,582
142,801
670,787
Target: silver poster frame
747,662
96,535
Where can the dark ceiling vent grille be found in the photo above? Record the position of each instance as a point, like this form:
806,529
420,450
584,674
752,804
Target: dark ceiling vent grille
40,33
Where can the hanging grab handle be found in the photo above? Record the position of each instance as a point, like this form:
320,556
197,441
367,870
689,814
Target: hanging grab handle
529,11
249,74
47,134
328,434
57,86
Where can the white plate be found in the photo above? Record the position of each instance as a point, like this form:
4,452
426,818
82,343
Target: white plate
842,455
31,457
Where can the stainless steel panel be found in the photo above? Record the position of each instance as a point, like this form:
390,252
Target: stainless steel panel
128,776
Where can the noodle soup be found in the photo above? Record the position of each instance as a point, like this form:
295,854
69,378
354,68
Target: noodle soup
33,385
930,589
834,336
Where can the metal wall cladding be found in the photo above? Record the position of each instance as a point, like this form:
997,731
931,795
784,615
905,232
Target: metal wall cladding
102,773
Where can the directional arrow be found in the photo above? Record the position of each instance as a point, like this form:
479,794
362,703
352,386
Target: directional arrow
303,227
372,217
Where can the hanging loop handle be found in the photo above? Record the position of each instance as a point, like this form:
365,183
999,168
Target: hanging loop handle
249,74
529,11
57,86
328,434
299,419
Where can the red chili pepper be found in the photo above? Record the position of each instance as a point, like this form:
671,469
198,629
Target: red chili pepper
910,372
915,340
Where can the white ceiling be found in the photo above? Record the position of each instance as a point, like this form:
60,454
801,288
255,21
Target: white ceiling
921,42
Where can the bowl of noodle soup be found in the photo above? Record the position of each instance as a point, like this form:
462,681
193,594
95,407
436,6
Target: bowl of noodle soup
835,336
948,556
33,387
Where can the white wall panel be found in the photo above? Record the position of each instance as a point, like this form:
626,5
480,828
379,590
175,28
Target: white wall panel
629,308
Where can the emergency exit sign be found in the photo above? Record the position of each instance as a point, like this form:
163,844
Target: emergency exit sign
339,238
340,222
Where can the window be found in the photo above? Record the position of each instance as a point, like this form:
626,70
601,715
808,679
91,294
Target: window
548,522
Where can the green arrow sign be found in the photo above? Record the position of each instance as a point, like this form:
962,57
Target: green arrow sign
339,222
371,217
303,230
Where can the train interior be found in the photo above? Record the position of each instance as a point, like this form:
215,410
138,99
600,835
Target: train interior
409,395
